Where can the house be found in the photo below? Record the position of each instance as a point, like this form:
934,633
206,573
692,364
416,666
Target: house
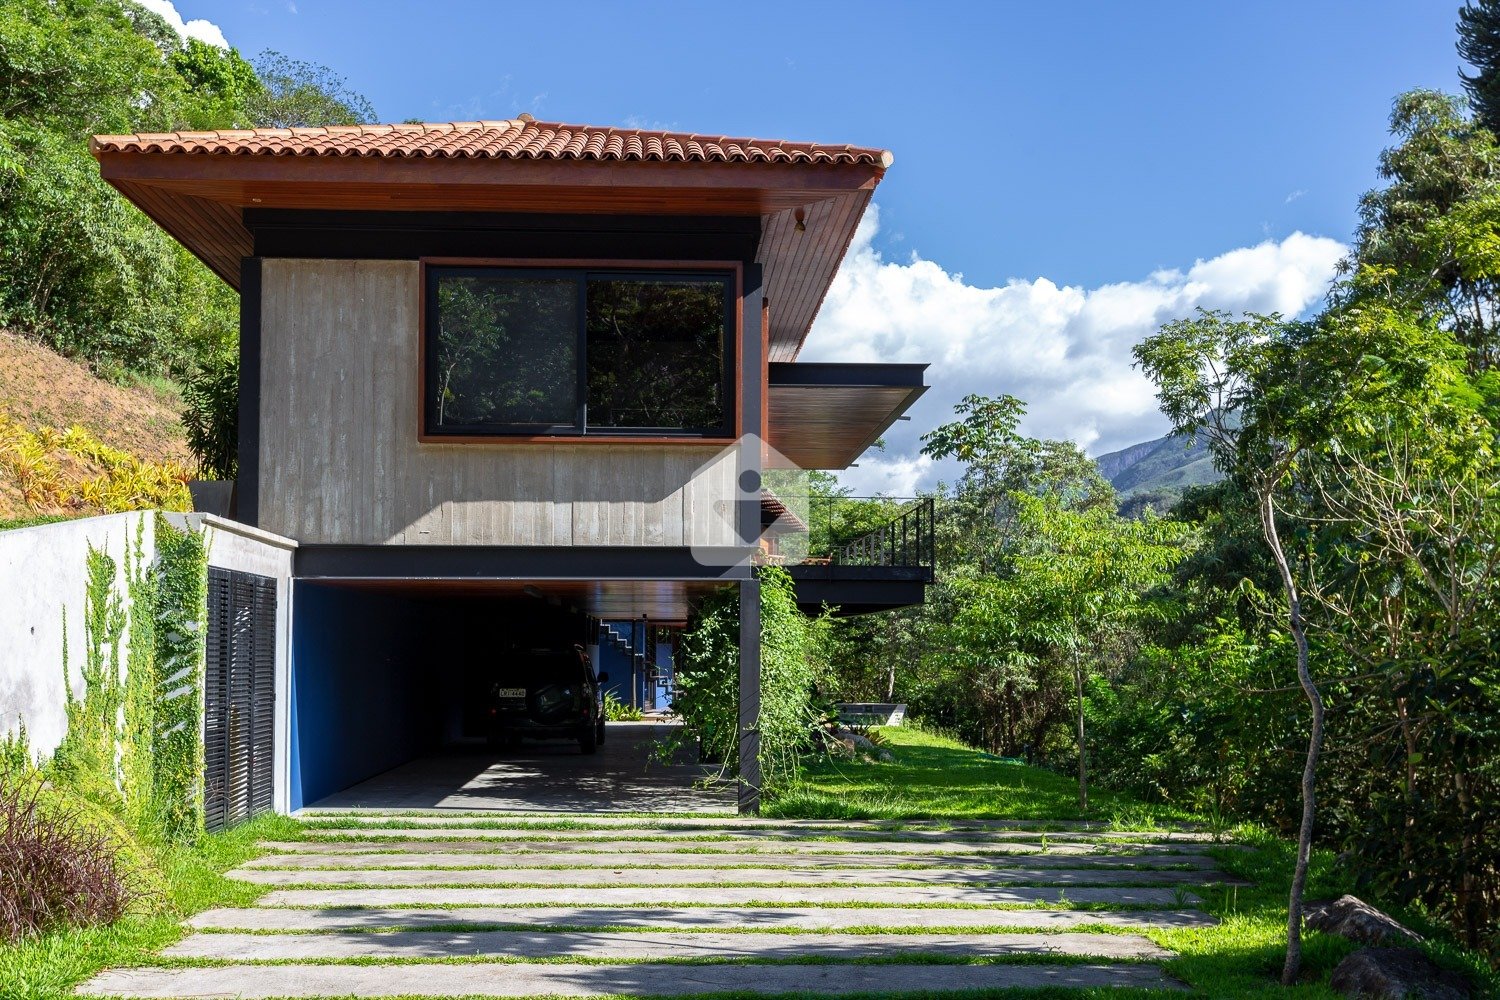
503,378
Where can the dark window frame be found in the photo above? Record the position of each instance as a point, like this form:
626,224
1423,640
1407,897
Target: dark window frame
728,274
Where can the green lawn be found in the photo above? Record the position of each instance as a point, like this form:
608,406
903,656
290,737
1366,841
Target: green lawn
934,777
48,968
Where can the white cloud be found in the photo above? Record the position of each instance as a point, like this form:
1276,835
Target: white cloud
881,474
204,31
1064,350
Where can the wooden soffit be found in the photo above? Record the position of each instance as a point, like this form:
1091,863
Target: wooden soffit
199,198
824,416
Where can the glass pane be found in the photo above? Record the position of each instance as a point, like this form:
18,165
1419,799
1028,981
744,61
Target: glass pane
656,353
505,353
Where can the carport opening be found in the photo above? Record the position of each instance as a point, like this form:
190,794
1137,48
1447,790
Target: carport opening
395,688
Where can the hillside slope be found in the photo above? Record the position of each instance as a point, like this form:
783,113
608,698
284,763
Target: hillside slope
1166,464
40,389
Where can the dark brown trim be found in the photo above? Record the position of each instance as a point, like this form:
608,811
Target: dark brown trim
737,268
247,479
518,562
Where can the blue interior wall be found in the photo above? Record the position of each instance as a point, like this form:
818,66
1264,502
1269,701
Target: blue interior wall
378,678
359,705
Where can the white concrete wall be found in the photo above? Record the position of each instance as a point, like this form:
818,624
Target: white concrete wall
43,581
43,578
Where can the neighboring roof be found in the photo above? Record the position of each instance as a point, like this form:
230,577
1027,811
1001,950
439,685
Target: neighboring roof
777,517
516,138
809,196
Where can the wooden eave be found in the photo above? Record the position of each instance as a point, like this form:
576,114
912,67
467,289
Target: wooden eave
824,416
199,198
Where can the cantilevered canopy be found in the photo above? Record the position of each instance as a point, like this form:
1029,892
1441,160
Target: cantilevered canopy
823,416
810,196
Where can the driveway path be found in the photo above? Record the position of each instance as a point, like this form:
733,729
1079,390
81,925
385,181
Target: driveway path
516,906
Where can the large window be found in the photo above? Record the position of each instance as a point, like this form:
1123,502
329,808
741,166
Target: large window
531,351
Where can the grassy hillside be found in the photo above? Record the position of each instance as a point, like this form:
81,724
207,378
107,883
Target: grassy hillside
43,470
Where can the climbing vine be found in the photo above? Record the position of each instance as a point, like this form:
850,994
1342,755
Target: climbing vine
133,743
86,757
177,739
708,678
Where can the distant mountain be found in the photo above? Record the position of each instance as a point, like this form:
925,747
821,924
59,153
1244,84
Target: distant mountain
1167,465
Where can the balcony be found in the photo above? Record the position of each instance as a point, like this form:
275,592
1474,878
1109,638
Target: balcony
856,554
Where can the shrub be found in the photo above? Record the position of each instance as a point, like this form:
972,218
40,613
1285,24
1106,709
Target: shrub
212,417
48,466
708,682
616,710
59,867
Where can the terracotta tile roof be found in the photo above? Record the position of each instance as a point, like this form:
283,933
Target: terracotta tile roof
515,139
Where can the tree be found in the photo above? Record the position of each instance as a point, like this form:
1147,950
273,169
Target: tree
1235,382
1429,240
297,94
1479,45
1081,578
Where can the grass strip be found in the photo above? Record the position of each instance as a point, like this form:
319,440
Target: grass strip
50,966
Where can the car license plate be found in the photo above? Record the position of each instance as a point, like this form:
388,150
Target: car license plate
511,693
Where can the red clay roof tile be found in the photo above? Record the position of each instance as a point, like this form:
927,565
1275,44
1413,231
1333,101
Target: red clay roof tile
519,138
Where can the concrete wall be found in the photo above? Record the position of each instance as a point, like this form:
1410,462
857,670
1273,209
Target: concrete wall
43,583
341,464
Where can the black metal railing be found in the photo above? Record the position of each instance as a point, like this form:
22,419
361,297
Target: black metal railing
904,540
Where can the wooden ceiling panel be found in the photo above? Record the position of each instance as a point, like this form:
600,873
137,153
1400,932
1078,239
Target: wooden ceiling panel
199,198
664,602
829,427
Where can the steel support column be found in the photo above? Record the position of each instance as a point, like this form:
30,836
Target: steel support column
749,742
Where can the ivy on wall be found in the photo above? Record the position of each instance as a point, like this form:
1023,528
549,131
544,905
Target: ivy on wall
134,738
180,633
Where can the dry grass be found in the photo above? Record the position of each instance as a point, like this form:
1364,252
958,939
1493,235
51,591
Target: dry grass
40,389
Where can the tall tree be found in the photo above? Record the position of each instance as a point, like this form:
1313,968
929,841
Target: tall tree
1479,45
1233,381
1080,579
295,94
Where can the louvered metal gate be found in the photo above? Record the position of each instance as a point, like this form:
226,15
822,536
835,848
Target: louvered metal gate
239,697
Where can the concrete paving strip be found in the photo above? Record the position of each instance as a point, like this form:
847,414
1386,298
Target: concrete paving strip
496,845
257,982
746,827
576,820
656,918
848,862
811,837
625,945
903,895
622,876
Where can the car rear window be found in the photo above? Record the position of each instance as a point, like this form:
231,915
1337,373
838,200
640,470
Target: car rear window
539,668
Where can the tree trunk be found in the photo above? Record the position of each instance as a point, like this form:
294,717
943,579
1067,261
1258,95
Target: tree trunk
1083,765
1293,966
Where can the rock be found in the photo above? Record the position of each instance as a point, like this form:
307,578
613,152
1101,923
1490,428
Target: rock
1397,974
1352,918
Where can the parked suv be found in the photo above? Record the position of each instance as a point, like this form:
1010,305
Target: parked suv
546,694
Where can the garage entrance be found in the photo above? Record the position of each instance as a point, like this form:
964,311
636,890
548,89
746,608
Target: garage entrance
392,683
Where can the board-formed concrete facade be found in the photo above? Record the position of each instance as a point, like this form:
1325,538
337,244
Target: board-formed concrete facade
340,462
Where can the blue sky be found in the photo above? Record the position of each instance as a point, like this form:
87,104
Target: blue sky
1060,169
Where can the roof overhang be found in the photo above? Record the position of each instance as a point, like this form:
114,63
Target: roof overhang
824,416
199,198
